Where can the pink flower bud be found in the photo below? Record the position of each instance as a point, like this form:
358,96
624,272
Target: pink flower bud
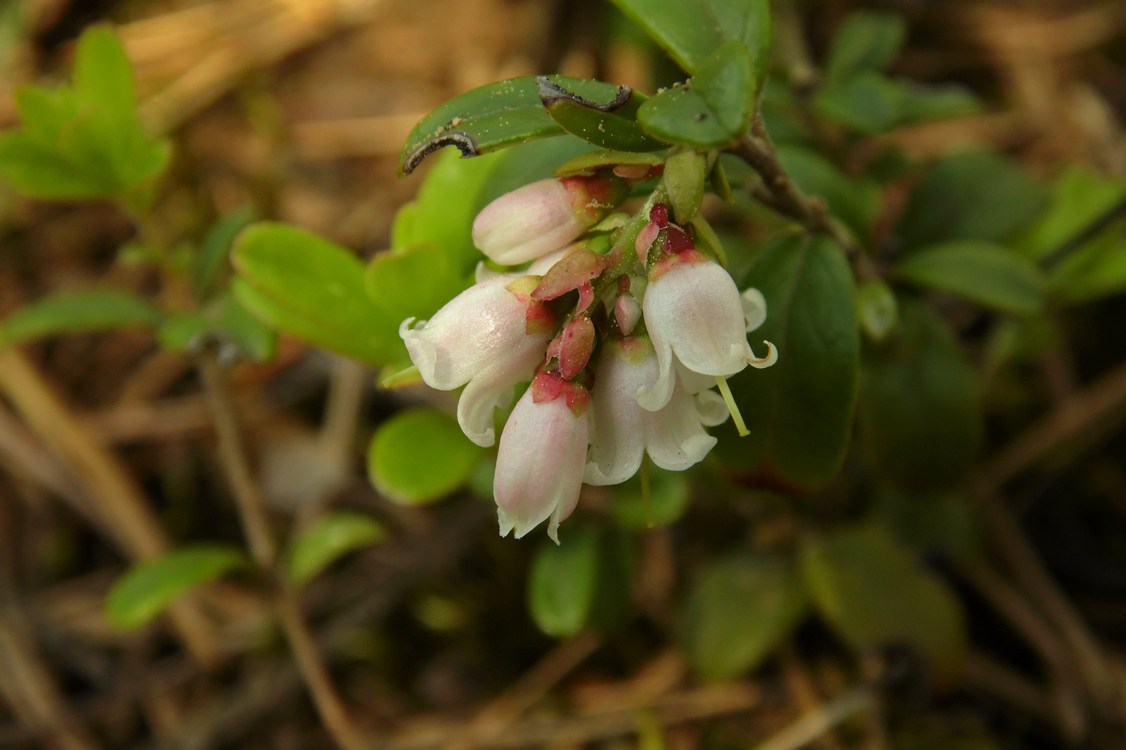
576,346
695,315
540,464
480,339
543,216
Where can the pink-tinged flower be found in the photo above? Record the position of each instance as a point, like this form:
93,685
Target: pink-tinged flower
622,431
488,338
543,216
540,459
696,317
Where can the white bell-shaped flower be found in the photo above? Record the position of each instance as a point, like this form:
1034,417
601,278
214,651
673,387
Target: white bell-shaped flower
696,317
540,460
488,338
622,431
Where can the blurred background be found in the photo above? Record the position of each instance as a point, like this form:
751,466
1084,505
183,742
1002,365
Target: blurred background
296,110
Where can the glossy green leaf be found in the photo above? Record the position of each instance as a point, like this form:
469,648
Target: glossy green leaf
979,271
923,102
237,326
711,109
493,117
77,312
307,286
420,455
441,214
874,593
592,161
150,587
971,196
606,125
800,410
1078,196
1096,269
684,176
562,583
867,41
867,103
689,30
328,539
920,409
414,282
855,200
738,611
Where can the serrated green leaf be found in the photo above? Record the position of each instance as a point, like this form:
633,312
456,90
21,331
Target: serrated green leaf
979,271
800,410
420,455
493,117
711,109
739,609
920,408
328,539
874,593
562,583
307,286
867,103
150,587
103,76
867,40
76,312
971,196
690,30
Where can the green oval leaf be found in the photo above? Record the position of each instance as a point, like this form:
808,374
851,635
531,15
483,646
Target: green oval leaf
874,593
312,289
606,125
711,109
738,611
866,41
920,411
76,312
562,583
979,271
971,196
689,30
327,540
800,410
420,455
867,103
495,116
150,587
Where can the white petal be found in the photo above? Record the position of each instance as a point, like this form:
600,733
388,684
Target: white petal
675,438
654,397
711,408
754,308
539,465
527,223
488,390
617,441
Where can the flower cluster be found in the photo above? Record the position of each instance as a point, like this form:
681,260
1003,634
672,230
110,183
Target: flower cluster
622,350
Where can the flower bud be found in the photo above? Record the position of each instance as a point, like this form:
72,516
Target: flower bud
540,463
543,216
